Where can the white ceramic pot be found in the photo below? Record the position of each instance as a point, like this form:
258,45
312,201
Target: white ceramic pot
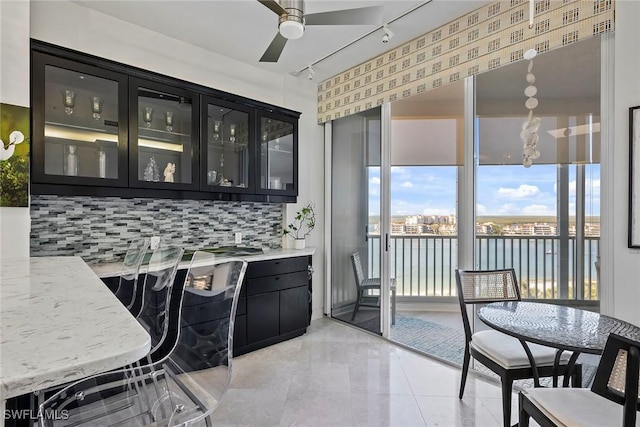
298,243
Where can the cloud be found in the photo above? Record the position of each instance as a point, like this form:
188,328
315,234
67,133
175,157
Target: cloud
437,211
406,184
399,170
538,210
374,180
522,192
481,209
591,186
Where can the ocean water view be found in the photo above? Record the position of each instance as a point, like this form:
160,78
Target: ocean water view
425,265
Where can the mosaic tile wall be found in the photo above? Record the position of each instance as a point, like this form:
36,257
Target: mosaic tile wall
99,229
489,37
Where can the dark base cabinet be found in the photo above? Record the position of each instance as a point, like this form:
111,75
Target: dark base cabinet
274,306
278,295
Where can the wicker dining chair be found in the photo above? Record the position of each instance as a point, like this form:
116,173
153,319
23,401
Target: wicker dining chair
499,352
612,400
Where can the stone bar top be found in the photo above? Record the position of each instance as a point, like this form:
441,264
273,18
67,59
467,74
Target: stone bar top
113,269
60,323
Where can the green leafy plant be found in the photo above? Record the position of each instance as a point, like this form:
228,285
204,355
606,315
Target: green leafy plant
303,223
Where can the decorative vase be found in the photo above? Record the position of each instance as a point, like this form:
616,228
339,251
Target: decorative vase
72,161
102,164
298,243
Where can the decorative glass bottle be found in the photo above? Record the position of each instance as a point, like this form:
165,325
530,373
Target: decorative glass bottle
102,164
72,161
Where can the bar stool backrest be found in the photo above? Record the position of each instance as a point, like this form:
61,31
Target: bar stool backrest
157,295
128,281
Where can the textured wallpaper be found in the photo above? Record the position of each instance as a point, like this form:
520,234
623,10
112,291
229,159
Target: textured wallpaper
493,35
99,229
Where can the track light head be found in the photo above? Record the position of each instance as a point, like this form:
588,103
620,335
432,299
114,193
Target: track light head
311,74
388,34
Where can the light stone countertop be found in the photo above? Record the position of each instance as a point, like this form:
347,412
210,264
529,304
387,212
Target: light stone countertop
60,323
113,269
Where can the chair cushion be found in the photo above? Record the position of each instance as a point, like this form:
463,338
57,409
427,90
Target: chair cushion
576,407
507,351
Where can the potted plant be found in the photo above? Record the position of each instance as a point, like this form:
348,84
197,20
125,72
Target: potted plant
303,223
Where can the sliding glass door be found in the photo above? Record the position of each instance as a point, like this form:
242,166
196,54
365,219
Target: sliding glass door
356,220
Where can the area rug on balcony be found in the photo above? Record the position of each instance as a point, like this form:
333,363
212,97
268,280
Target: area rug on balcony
447,343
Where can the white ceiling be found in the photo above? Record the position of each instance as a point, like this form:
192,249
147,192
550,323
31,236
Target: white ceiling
242,29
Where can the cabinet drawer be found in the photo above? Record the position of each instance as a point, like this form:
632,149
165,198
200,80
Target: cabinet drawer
262,285
211,310
277,266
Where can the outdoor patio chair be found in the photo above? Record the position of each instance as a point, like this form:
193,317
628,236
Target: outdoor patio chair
611,401
365,285
499,352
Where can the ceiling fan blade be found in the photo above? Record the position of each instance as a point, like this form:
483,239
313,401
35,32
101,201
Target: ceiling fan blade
274,6
275,49
359,16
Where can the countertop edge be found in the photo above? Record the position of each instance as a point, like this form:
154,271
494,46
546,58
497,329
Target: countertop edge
113,269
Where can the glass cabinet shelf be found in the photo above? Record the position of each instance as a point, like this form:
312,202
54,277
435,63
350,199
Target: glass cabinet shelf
227,155
78,111
278,157
164,141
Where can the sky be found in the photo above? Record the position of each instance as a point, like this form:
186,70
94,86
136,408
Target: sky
501,190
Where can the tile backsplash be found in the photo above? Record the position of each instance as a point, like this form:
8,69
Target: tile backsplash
98,229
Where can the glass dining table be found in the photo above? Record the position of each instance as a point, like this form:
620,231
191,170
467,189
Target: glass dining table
561,327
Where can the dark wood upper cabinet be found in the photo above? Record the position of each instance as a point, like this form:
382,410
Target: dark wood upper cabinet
102,128
227,147
277,154
79,123
163,136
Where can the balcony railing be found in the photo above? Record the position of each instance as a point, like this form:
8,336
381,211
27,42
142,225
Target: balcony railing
424,266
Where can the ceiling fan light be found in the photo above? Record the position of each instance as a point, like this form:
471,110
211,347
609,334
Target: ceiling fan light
291,29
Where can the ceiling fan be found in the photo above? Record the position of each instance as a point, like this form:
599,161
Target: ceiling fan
292,20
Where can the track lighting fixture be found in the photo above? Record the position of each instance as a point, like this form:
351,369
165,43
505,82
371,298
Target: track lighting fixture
388,34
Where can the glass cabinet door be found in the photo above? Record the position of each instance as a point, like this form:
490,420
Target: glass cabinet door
79,123
163,136
278,154
227,134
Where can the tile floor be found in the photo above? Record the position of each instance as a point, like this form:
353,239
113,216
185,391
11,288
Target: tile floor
337,375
